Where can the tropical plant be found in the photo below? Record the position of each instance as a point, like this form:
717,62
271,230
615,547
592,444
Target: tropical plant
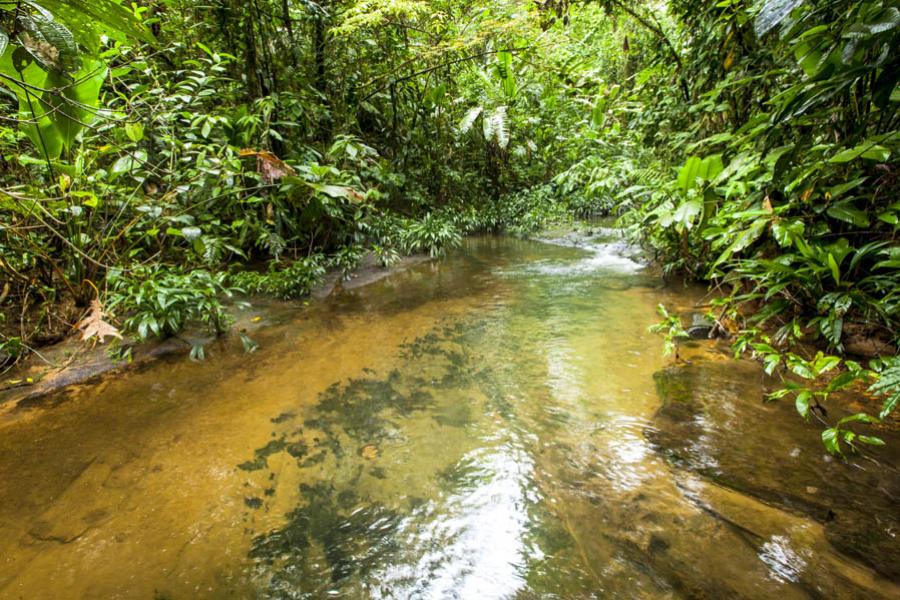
158,301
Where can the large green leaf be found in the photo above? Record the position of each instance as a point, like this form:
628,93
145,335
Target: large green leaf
700,170
842,188
884,23
710,167
687,212
785,232
772,13
743,239
50,43
869,150
53,119
18,66
847,212
84,17
598,113
505,74
75,107
688,173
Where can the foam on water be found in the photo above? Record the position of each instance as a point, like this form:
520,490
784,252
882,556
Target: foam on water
608,252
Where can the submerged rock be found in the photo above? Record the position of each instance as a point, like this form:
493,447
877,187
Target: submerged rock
714,422
701,327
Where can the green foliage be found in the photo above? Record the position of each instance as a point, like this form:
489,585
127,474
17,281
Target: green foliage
11,348
671,328
346,259
287,282
888,384
751,145
54,65
433,234
834,436
810,381
783,153
160,301
531,210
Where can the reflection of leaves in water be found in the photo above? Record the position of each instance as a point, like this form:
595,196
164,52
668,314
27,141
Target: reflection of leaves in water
350,533
462,475
427,344
352,541
493,388
361,407
432,343
550,566
712,424
337,536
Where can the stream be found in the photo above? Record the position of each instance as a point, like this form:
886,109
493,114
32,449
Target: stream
496,424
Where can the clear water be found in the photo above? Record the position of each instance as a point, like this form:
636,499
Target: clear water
486,426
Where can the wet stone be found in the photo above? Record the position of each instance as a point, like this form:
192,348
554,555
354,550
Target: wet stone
701,327
714,422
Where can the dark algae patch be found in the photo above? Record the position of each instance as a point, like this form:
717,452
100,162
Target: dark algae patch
349,538
336,526
261,455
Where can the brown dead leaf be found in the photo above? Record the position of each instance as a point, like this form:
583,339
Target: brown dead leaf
268,165
94,324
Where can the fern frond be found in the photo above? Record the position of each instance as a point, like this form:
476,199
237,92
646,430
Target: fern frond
888,384
499,126
469,119
487,127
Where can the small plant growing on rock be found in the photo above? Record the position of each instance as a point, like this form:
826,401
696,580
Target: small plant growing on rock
671,329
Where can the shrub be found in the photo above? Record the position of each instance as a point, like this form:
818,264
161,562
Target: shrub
294,281
433,234
160,301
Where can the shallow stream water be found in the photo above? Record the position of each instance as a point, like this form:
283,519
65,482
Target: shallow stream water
497,424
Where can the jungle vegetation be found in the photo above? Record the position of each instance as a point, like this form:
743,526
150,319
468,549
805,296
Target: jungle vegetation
160,157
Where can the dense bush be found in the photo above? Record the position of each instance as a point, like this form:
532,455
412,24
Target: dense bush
160,301
284,281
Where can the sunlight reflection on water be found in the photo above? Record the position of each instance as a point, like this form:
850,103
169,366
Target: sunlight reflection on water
486,426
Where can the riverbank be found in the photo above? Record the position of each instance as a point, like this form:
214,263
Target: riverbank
50,369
